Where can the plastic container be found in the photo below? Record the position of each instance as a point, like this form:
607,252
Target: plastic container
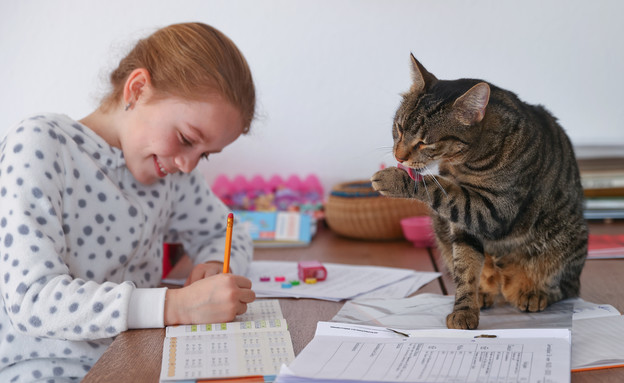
419,231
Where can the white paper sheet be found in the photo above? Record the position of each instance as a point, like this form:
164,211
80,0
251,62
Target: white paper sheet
343,281
402,288
343,354
597,329
425,311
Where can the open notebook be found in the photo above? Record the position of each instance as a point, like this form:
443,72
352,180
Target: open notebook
256,345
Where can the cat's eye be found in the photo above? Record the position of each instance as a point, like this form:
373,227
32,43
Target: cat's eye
419,145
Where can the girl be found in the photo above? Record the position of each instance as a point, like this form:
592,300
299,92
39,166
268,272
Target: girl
85,207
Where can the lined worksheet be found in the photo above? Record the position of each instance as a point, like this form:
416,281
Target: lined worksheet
531,356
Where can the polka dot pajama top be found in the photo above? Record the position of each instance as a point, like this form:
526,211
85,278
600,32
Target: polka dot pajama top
81,246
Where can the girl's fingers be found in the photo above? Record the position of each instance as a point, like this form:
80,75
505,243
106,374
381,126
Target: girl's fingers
248,296
243,282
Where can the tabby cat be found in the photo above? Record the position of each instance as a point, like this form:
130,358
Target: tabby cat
507,204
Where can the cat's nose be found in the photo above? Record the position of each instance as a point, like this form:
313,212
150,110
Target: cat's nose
400,159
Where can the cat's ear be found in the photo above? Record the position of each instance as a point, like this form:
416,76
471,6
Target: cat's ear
469,108
421,79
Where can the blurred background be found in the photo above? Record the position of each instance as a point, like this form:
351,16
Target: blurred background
329,73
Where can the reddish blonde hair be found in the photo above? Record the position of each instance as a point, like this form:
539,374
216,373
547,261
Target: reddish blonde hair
190,61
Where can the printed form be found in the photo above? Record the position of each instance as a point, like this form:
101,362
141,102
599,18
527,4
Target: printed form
351,352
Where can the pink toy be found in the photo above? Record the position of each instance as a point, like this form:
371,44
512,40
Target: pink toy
418,230
275,182
259,185
311,269
291,194
294,183
223,189
313,189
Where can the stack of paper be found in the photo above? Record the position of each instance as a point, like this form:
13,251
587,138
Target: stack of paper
597,329
342,282
342,352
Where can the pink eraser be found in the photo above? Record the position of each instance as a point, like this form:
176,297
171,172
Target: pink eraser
311,269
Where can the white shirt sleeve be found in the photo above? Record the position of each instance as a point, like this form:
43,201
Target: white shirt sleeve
147,308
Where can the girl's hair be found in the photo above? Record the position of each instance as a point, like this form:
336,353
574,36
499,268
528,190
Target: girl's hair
190,61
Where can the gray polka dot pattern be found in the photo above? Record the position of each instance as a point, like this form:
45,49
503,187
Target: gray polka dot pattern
77,235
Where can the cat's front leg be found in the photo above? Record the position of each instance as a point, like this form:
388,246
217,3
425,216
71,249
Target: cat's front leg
468,260
394,182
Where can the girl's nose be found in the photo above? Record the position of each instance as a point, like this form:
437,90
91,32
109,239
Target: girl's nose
185,163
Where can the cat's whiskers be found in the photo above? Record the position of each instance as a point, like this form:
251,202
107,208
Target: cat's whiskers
435,179
425,185
384,155
387,149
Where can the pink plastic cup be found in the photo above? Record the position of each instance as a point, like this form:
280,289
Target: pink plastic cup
419,231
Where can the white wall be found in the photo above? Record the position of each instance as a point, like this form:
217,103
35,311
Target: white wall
329,73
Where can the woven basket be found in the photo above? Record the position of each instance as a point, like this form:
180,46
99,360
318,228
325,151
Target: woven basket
356,210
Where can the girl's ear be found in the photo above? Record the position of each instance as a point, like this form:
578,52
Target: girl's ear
137,85
469,108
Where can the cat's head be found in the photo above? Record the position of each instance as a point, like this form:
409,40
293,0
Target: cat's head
437,120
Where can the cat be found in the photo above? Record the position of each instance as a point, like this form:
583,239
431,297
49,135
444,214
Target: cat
507,203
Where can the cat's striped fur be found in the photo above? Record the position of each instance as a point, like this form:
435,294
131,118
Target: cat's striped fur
507,203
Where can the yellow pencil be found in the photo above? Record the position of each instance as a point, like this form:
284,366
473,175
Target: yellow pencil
228,243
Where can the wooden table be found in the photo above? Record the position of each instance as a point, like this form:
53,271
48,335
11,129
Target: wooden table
135,355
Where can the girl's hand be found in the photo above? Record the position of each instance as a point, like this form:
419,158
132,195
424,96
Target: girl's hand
215,299
204,270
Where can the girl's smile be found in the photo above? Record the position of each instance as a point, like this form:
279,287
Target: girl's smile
160,169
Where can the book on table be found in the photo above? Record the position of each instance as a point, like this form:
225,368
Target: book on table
278,228
256,345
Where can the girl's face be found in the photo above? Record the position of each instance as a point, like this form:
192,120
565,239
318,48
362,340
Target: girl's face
168,135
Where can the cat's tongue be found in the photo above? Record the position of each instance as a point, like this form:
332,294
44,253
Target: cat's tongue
412,173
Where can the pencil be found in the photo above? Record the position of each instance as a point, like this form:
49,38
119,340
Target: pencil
228,243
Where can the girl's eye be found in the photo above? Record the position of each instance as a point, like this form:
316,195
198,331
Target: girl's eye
184,140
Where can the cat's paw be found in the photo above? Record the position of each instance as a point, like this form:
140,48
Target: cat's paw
532,301
463,320
393,182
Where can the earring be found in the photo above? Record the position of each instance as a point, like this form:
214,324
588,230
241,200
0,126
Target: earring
128,105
